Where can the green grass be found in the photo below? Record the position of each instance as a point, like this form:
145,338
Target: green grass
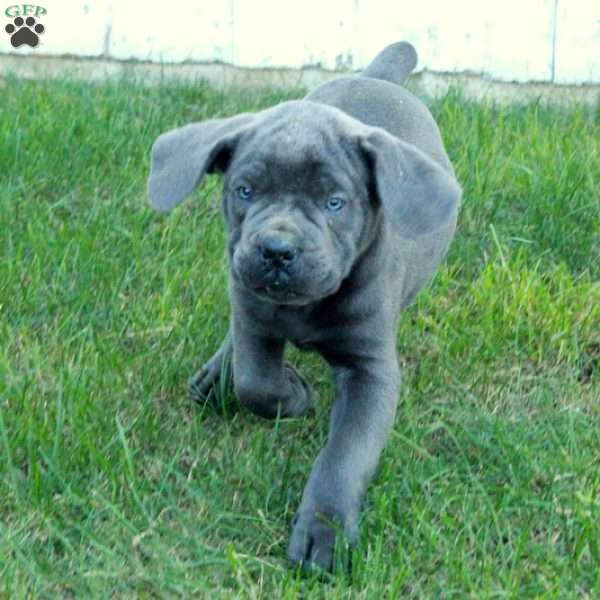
113,485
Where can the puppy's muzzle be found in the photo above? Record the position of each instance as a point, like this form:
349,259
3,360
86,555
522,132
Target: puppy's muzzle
278,251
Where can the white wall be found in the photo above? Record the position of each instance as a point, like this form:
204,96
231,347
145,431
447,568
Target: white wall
507,40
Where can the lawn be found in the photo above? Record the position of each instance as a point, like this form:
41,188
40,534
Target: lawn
114,485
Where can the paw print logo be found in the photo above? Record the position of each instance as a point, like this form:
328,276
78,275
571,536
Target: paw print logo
24,32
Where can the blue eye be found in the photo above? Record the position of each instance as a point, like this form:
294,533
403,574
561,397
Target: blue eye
335,203
244,192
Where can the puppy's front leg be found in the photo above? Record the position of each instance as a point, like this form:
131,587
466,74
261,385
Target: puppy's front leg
361,419
262,380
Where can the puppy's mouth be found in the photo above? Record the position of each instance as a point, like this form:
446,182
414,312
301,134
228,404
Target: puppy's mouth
279,290
277,287
280,295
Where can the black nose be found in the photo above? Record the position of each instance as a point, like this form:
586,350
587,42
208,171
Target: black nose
277,251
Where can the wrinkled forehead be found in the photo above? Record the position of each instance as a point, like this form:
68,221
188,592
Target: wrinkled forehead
298,141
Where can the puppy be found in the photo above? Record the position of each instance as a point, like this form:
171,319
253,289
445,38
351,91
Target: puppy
339,207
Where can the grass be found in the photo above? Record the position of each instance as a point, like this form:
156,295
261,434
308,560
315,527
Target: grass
113,485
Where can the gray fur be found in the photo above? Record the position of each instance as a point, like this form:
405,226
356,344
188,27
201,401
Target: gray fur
394,64
339,208
194,146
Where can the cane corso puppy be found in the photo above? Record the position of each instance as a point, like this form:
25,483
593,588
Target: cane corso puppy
338,207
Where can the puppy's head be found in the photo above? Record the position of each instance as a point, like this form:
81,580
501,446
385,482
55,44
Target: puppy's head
304,186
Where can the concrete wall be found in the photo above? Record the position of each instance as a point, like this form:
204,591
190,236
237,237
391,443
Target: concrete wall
553,41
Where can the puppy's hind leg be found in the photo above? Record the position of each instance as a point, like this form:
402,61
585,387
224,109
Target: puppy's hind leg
214,373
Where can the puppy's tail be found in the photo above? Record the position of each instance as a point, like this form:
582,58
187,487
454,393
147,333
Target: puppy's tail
394,63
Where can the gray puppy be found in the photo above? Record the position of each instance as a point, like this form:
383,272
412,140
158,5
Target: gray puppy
339,208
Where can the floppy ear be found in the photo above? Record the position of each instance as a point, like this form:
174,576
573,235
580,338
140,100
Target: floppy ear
417,195
181,157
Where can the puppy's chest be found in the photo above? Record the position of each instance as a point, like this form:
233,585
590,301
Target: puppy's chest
298,327
301,326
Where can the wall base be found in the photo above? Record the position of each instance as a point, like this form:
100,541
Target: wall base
225,76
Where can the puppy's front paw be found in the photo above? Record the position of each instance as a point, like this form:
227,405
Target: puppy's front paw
214,376
321,540
300,396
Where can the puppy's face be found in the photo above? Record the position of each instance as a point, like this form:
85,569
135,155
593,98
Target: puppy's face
304,187
298,208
